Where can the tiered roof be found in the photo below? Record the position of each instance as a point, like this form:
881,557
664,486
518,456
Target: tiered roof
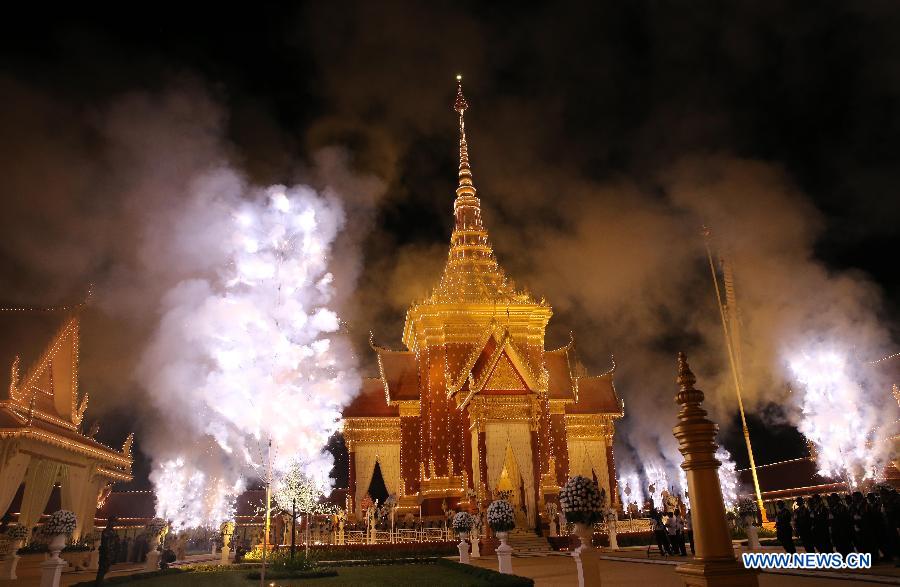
40,398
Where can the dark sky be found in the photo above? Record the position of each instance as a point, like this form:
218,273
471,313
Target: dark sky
564,97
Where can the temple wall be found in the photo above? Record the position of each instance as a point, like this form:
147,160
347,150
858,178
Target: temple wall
560,448
411,443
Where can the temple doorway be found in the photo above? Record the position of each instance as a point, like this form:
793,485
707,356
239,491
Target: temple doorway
377,489
509,467
511,487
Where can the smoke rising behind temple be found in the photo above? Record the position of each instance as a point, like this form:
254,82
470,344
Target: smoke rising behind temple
594,191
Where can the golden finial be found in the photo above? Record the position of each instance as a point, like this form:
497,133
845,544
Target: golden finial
465,173
687,393
460,104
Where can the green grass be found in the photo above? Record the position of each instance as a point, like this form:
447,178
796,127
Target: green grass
375,576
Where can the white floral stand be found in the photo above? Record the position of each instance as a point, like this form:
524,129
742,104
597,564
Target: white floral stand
152,563
463,547
52,568
752,537
611,532
10,561
504,553
587,558
476,548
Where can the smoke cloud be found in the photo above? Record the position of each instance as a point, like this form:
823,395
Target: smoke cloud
602,138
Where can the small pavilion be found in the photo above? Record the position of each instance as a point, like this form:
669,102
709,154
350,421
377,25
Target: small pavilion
42,442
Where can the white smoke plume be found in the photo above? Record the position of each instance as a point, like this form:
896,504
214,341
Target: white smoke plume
248,351
838,417
728,478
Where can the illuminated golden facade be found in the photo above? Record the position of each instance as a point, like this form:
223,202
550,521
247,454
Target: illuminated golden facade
42,444
475,404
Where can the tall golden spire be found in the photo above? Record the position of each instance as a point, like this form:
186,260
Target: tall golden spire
465,300
467,207
466,187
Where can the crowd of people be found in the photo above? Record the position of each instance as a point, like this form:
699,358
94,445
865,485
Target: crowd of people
846,523
672,532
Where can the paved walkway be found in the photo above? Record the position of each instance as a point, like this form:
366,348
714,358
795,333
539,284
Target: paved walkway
630,567
29,571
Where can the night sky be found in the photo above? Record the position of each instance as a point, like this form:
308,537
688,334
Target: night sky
567,100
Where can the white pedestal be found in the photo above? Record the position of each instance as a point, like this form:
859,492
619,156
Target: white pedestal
553,529
51,569
476,547
8,567
152,560
226,551
212,549
752,538
504,554
587,558
463,547
611,532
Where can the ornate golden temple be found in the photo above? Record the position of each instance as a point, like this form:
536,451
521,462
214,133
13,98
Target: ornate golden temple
475,405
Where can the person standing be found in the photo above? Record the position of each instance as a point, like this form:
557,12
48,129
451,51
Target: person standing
689,530
109,548
659,532
857,508
783,529
841,525
803,522
821,523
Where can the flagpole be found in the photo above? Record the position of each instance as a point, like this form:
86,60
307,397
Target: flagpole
734,373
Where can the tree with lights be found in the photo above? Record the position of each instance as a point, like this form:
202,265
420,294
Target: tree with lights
300,494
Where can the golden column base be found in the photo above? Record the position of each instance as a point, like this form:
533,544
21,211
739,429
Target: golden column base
714,564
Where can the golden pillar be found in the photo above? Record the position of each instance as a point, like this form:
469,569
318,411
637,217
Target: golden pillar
714,563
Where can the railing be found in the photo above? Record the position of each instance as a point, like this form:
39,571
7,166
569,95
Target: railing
406,535
628,526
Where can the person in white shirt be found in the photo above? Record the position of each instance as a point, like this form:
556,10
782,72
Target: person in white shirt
675,528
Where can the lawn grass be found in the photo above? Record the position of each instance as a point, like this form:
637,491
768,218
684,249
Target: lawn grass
375,576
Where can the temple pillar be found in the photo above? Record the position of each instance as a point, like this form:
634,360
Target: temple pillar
466,450
536,482
482,465
611,469
351,476
714,563
560,450
410,450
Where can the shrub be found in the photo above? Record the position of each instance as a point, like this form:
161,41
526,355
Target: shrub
496,579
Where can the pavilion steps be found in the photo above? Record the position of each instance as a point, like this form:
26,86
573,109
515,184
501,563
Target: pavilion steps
527,542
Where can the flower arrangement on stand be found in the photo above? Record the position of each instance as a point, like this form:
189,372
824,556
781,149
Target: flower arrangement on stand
583,503
501,518
748,515
462,525
60,525
10,559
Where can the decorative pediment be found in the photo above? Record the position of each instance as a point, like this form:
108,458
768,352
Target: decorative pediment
53,380
504,377
482,365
